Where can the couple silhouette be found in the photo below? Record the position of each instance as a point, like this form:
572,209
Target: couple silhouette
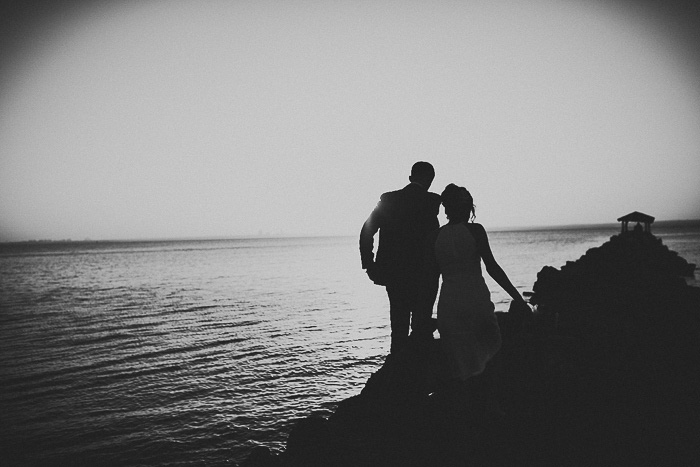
414,251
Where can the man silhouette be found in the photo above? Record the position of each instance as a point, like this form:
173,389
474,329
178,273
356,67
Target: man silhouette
403,219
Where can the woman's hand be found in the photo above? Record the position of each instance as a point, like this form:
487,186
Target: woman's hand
520,307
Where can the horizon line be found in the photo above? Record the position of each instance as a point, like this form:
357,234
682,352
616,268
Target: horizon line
523,228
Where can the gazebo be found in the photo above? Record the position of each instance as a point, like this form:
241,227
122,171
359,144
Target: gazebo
639,218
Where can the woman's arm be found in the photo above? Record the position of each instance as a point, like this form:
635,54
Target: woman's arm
492,267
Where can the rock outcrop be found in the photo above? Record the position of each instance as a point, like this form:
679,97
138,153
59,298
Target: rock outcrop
606,372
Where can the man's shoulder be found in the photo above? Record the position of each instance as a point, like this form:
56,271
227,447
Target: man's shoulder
408,195
434,197
391,195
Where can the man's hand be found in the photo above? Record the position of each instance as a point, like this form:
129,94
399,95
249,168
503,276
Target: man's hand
520,308
375,274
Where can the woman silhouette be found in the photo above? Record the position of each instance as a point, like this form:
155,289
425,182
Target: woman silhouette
469,331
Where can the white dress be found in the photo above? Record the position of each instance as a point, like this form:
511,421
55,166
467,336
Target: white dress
466,321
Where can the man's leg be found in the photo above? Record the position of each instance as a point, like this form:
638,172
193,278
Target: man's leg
400,315
422,325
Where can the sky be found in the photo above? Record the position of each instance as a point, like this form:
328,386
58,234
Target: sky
180,119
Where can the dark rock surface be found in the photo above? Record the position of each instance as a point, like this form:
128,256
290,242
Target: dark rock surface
606,372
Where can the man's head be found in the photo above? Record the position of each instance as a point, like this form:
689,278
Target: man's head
422,173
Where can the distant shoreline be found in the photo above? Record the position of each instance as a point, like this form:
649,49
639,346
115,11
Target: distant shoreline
610,225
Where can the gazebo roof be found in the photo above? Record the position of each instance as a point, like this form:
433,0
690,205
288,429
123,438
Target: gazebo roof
636,217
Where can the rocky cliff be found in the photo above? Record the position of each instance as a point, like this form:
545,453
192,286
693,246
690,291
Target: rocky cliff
606,372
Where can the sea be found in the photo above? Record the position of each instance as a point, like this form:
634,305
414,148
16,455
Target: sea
194,352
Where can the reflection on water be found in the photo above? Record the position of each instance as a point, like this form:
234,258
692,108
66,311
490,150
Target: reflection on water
159,353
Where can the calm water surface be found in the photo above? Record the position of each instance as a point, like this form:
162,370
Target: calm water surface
194,352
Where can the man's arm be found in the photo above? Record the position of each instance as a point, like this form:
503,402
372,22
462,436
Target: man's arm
369,229
431,269
430,210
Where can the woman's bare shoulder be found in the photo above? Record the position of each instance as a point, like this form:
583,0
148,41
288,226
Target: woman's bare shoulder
476,229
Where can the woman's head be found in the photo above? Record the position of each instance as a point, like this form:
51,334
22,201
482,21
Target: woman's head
458,202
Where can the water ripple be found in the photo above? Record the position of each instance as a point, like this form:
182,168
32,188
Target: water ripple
182,353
